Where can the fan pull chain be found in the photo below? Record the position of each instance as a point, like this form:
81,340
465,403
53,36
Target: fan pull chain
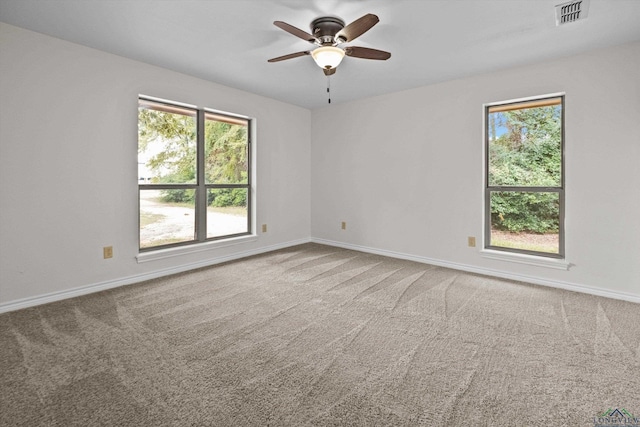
329,88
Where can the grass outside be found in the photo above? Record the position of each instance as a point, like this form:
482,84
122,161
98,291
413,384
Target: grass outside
147,218
527,241
160,242
229,210
548,243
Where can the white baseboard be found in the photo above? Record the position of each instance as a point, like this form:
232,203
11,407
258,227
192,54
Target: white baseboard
488,272
110,284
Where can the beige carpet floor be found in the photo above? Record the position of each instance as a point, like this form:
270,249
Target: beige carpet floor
316,335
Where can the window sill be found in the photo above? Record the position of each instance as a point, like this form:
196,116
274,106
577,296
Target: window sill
195,248
538,261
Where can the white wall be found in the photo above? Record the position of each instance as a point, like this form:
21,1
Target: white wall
68,165
405,170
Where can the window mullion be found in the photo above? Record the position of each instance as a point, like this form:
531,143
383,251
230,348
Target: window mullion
201,191
173,188
513,130
525,189
227,185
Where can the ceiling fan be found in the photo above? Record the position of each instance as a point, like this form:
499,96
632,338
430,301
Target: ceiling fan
328,33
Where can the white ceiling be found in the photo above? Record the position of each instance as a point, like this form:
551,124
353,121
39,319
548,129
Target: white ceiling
229,41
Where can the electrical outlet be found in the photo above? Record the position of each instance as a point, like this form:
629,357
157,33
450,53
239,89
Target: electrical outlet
107,252
264,228
471,241
344,225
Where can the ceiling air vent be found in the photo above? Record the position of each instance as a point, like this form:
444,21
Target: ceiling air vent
571,11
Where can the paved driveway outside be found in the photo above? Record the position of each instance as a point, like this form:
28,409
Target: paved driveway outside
177,224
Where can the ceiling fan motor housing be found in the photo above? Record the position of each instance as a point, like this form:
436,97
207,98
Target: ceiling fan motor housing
325,29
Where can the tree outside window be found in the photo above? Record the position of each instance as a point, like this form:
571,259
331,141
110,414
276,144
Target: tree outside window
194,175
524,193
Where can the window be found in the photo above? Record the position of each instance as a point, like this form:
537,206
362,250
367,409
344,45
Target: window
524,191
193,175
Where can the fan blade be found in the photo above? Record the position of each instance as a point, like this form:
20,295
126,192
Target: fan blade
329,71
295,31
358,27
366,53
289,56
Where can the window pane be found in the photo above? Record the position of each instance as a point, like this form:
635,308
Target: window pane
226,211
525,220
166,144
166,217
525,145
226,148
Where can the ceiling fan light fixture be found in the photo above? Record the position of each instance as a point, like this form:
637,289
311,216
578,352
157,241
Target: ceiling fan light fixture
328,57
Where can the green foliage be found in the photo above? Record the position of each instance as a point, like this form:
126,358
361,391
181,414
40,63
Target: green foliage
526,154
226,159
177,196
525,212
171,139
219,197
223,197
